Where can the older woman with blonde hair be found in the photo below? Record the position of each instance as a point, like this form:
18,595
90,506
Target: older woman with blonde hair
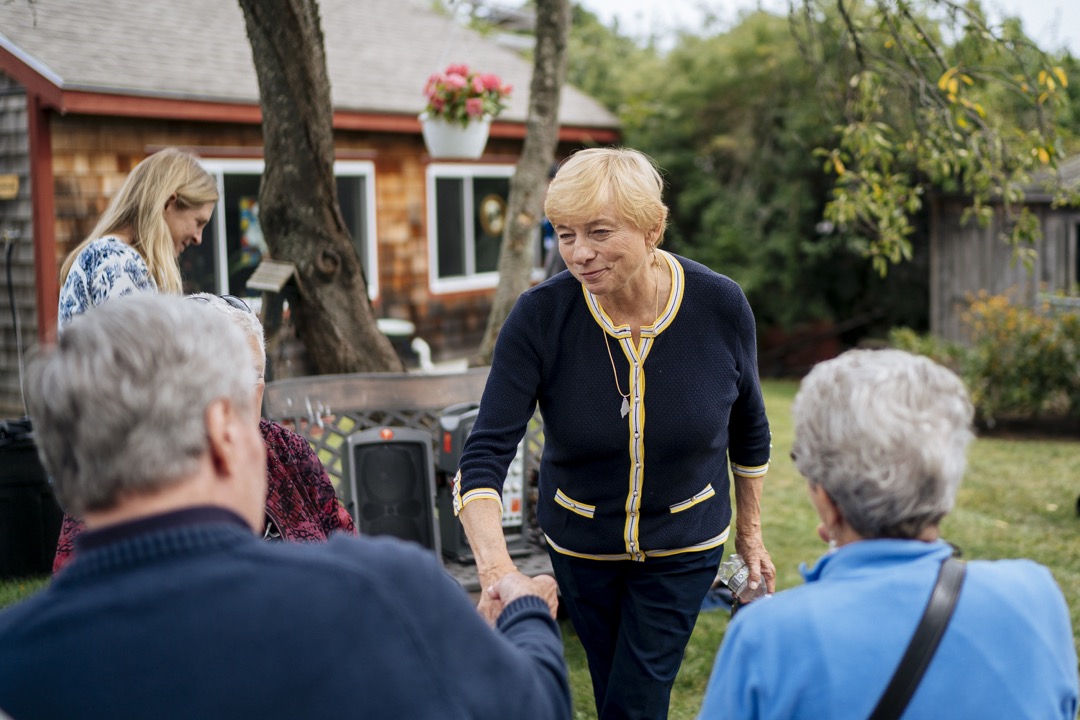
160,210
644,367
881,438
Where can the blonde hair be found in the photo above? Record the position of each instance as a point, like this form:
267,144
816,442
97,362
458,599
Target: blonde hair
622,180
139,209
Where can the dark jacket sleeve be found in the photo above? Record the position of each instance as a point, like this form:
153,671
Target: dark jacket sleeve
516,671
749,439
507,405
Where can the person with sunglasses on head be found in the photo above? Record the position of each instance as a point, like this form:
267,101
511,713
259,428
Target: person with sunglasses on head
301,504
161,210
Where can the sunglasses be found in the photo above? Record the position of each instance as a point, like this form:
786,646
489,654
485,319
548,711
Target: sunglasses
231,300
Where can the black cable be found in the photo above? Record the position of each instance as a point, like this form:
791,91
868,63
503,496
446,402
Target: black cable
9,240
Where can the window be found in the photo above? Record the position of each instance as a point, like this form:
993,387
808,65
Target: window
466,217
233,244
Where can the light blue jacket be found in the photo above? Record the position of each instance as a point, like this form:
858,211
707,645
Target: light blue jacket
827,649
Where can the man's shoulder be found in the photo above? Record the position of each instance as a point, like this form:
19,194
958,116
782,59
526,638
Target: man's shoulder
352,558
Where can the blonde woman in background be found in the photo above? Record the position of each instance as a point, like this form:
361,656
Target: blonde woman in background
159,212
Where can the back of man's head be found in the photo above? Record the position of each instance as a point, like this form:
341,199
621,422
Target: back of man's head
119,406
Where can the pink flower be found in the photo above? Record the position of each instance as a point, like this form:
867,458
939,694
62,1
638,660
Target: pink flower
490,81
460,95
474,107
454,81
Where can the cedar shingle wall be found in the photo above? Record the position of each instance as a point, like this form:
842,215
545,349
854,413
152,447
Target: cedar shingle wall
15,219
93,155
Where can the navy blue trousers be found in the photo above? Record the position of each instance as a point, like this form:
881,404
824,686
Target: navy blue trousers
634,620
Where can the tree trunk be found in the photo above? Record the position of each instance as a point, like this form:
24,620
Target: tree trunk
298,202
525,206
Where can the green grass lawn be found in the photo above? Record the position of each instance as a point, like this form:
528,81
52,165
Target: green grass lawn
1005,509
1018,500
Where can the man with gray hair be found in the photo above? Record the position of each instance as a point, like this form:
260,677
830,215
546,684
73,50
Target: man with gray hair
173,608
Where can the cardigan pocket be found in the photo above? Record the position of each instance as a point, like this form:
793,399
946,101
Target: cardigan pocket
702,496
582,509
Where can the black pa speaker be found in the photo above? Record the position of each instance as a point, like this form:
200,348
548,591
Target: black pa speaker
391,484
454,425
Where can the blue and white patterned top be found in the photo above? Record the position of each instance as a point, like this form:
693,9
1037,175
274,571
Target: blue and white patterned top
106,268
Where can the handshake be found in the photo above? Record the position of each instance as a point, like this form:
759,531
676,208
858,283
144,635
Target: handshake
513,585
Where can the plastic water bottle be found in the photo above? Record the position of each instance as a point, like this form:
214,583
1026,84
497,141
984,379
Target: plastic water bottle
736,575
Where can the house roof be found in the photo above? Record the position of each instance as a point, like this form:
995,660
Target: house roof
1065,176
379,53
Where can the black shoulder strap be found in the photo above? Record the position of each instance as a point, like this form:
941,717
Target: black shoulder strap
923,643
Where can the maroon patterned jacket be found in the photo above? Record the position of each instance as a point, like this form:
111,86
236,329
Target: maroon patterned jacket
300,501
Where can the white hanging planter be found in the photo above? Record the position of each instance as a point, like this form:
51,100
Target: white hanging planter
453,141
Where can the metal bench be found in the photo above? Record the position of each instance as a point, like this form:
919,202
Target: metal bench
326,409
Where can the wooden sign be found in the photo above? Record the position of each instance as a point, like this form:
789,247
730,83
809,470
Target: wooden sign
271,276
9,187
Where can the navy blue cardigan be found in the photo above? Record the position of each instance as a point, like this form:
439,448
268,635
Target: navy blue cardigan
655,482
207,621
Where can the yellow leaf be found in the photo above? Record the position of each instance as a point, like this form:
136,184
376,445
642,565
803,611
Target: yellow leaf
889,43
1024,87
1061,76
1042,77
979,109
838,165
1050,83
954,86
967,79
943,81
1044,157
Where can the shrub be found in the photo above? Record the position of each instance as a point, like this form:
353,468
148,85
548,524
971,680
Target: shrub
1020,361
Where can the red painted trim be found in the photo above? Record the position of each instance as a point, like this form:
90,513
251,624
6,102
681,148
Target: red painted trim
376,122
28,77
256,152
93,103
567,133
43,214
90,103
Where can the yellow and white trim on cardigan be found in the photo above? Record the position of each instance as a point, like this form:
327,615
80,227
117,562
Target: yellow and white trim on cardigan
636,356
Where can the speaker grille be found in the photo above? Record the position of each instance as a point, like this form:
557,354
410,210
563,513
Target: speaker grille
392,484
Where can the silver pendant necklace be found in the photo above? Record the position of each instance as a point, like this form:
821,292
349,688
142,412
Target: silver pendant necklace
624,409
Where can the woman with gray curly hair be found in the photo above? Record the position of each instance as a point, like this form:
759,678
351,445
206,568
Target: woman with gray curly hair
881,438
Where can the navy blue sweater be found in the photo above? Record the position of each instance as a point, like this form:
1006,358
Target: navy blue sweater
207,621
655,482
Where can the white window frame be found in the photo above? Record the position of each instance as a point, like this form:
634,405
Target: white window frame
342,168
471,280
